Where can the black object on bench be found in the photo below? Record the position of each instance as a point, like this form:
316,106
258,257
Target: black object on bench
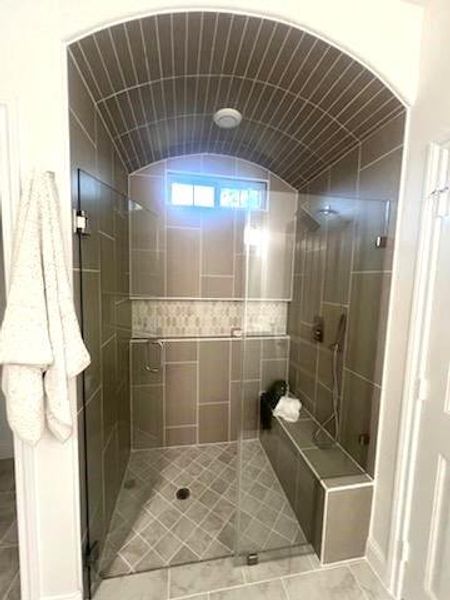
269,400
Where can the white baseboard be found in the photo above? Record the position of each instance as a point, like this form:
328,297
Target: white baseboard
78,595
376,559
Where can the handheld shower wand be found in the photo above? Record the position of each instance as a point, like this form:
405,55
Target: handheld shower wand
336,347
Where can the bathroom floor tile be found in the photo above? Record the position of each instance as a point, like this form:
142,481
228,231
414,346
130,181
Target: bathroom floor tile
326,584
369,582
145,586
270,590
202,577
151,528
277,568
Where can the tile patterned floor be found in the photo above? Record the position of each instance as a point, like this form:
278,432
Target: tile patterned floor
9,555
151,528
294,578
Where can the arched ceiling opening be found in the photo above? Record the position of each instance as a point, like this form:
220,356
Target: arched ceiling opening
157,82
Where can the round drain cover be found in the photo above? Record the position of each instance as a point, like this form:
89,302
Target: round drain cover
129,484
183,493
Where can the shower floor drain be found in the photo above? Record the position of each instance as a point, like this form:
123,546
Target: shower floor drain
183,493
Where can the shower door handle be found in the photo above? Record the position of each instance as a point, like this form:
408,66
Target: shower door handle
148,366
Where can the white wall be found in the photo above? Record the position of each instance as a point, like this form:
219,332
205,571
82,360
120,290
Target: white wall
429,121
384,34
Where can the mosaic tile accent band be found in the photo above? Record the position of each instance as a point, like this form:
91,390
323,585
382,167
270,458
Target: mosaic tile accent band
193,318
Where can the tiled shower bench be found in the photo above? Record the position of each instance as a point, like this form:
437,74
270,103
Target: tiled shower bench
330,493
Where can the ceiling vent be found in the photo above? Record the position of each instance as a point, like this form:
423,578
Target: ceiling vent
227,118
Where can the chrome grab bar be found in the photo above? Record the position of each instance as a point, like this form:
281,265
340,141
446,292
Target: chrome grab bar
148,367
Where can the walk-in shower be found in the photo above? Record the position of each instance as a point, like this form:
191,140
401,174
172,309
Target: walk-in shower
210,257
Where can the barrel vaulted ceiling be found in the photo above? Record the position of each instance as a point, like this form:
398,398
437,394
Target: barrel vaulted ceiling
158,81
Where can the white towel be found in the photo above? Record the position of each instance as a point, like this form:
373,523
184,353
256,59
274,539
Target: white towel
288,409
40,341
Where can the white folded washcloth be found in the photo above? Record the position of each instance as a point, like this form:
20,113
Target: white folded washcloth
288,409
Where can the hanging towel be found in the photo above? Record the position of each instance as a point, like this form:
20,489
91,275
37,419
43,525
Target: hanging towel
288,409
40,343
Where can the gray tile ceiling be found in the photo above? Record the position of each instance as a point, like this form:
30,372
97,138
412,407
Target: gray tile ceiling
158,80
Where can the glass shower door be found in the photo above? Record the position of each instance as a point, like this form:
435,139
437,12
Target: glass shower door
102,287
267,526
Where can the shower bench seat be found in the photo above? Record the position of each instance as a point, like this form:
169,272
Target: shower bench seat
329,492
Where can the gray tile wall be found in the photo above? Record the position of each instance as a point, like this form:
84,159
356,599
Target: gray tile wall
106,310
337,270
187,253
195,395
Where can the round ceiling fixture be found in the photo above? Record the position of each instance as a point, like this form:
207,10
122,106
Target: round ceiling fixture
227,118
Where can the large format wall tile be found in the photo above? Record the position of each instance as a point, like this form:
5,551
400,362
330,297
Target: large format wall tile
180,436
204,391
346,538
344,176
181,394
218,243
379,188
109,384
91,318
360,418
148,416
339,269
214,370
94,446
338,262
105,408
183,263
367,324
213,423
205,248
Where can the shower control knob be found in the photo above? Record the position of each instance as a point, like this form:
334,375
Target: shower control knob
363,439
317,329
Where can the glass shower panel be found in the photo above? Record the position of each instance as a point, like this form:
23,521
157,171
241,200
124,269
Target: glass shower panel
147,250
104,406
317,282
267,525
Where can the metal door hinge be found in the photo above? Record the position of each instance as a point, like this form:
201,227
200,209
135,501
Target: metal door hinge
80,222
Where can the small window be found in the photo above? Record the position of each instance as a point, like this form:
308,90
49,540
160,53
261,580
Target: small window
210,192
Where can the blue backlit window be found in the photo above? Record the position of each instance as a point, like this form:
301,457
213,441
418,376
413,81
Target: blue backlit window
216,192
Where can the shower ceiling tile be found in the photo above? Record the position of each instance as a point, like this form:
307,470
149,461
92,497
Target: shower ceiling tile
158,80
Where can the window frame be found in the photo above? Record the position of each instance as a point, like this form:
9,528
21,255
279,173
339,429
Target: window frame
217,182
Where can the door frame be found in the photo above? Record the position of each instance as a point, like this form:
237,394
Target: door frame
414,385
24,463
